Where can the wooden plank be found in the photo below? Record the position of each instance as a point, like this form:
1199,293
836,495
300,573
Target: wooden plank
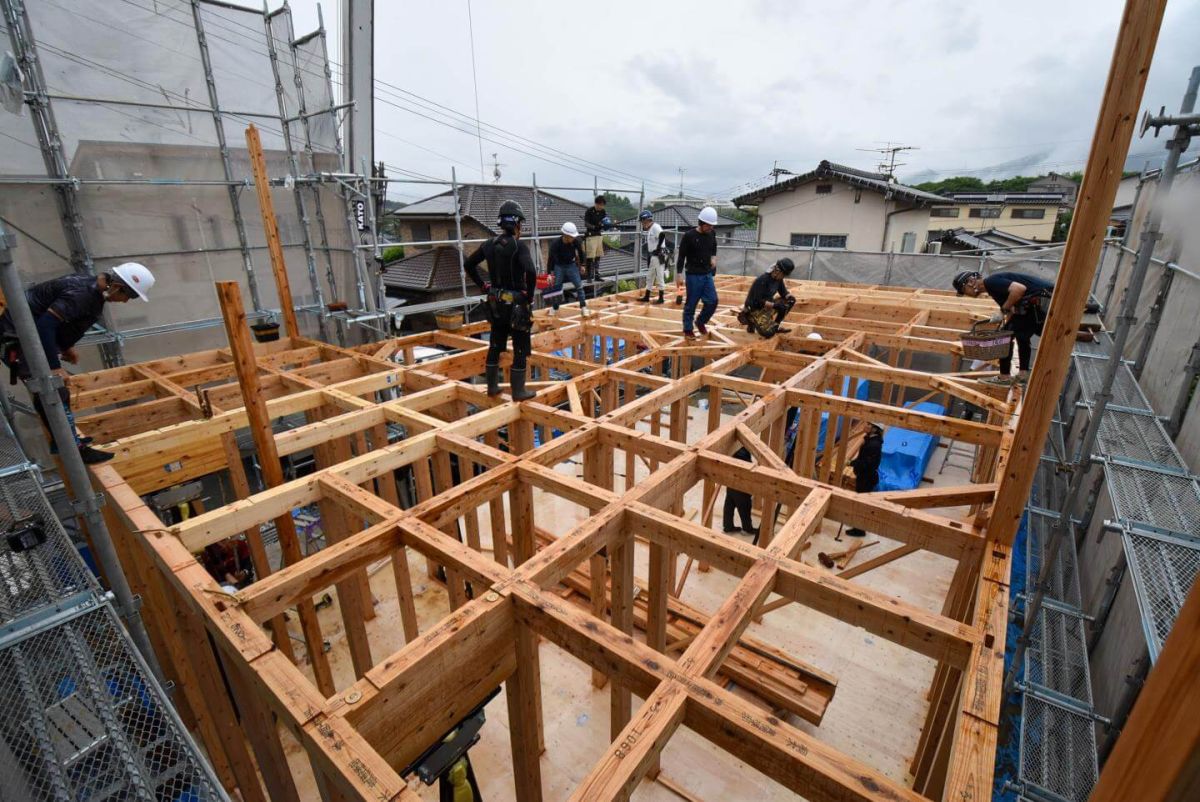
262,188
1115,123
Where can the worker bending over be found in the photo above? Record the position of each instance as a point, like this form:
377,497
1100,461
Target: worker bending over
656,259
698,260
510,286
64,308
1024,301
566,259
866,467
760,313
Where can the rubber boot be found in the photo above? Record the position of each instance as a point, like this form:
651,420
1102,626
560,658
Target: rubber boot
493,379
661,299
645,297
519,393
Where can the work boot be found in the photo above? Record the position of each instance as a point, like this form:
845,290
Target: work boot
661,299
519,393
493,379
854,531
645,296
94,456
700,327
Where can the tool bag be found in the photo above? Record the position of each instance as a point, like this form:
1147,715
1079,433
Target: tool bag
986,341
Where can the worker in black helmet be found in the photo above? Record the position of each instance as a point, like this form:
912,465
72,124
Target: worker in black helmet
510,286
760,313
595,222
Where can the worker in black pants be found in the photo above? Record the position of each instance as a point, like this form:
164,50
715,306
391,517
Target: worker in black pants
763,312
741,502
512,279
64,308
866,467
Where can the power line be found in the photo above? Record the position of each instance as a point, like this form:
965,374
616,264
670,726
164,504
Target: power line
475,82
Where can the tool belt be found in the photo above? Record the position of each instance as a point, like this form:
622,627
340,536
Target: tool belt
510,306
13,359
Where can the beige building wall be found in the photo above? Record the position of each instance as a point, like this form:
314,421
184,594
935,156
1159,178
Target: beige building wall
1035,229
856,213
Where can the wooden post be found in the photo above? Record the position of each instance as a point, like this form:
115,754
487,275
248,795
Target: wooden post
271,228
1106,159
230,296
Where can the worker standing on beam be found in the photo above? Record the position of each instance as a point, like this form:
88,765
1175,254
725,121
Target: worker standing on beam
762,312
64,308
512,279
595,221
567,263
656,260
698,260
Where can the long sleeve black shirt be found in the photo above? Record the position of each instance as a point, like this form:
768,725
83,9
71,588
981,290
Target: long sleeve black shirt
560,253
696,251
869,456
510,267
764,288
593,220
63,308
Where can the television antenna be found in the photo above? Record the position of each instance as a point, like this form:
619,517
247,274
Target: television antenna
496,165
887,163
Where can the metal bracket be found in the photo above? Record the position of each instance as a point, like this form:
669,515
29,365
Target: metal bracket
81,506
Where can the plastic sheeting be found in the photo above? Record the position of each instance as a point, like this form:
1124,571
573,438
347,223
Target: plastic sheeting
906,454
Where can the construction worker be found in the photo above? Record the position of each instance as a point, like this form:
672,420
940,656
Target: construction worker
1024,301
866,467
64,308
740,502
656,259
567,263
595,222
760,313
512,280
698,260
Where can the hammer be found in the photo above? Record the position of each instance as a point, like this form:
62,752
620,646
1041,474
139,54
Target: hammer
830,560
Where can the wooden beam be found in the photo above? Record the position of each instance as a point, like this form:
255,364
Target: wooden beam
1115,123
262,187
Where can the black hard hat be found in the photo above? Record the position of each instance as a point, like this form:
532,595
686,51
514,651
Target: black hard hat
960,281
786,265
511,213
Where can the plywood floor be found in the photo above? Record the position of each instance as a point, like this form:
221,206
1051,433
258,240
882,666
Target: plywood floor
875,716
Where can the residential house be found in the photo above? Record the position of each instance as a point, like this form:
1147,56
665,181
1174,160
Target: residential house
678,218
432,219
957,240
839,207
1056,183
1030,215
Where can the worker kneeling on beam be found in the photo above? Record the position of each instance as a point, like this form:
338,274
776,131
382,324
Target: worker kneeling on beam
760,313
512,279
64,308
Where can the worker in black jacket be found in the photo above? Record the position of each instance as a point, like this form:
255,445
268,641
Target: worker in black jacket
698,260
866,467
567,263
512,279
762,312
740,502
64,308
595,222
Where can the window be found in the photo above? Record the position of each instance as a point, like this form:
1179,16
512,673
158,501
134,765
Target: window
987,211
832,241
908,243
1029,214
824,189
421,232
945,212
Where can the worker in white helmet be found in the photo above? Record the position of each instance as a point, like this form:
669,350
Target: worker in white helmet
698,260
64,308
567,263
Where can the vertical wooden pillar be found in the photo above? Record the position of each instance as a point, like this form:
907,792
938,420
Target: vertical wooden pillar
271,228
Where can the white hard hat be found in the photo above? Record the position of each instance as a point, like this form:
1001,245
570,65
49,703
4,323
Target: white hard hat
569,229
137,277
812,335
708,215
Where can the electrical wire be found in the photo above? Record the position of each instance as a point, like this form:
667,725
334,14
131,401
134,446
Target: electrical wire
475,82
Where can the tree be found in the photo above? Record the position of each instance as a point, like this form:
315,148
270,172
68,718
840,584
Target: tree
1061,227
618,207
958,183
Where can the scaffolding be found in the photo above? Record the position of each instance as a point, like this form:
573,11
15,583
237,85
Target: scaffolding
84,718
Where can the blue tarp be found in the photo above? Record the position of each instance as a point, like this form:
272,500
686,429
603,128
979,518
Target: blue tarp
906,454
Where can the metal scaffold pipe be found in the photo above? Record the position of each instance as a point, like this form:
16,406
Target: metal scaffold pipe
1151,234
45,385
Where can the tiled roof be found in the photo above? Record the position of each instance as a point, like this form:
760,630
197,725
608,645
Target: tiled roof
983,240
877,182
480,202
679,216
432,271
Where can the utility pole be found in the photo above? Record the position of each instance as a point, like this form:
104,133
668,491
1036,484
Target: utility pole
681,172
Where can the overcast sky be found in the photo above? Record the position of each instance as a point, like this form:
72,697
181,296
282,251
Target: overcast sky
723,89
